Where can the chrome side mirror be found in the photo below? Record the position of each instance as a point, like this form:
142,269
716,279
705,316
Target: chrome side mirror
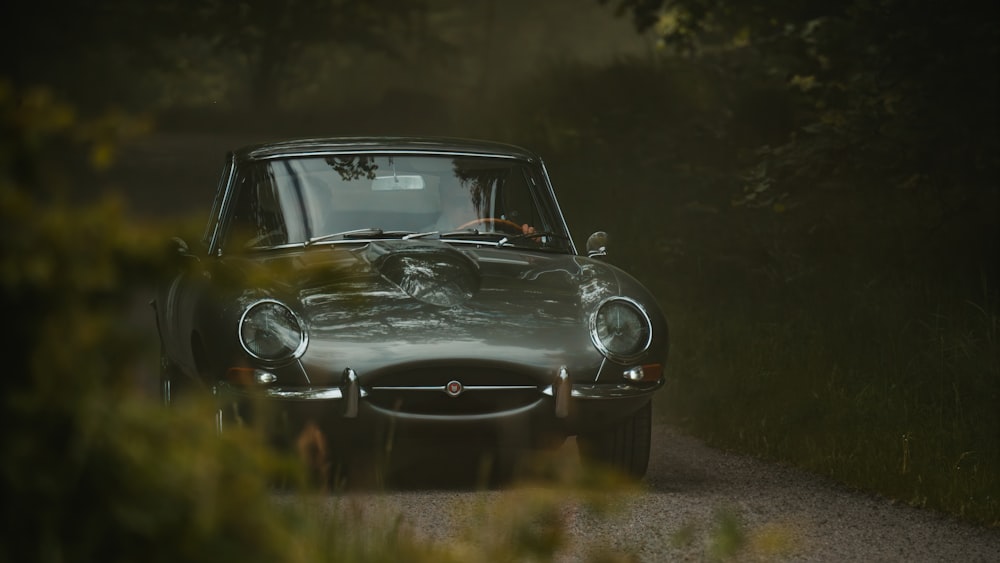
179,253
180,246
597,244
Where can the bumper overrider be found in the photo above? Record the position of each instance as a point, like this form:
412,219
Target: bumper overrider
563,402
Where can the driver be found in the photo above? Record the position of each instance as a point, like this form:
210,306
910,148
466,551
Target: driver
459,211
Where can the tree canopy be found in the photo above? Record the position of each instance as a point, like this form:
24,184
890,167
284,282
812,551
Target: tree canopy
890,90
263,40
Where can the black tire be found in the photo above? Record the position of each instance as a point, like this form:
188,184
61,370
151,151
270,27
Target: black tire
624,446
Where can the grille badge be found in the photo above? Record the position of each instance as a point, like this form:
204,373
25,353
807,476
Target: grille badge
453,389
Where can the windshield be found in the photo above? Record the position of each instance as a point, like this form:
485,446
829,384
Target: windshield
461,199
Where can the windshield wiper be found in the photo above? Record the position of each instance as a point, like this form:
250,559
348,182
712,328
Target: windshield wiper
373,232
421,235
507,240
451,234
346,234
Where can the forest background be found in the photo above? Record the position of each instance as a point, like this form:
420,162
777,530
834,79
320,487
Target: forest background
809,189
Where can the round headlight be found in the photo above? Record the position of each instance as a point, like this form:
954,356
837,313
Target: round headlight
270,331
620,329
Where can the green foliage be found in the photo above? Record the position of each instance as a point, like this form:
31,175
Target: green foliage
851,330
728,538
93,469
667,111
253,46
854,353
849,327
899,92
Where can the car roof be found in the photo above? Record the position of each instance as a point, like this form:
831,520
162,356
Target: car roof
430,145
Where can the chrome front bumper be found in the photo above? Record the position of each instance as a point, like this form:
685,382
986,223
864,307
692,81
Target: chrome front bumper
350,393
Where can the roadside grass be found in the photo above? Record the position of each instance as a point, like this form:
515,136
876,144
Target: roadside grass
851,331
893,391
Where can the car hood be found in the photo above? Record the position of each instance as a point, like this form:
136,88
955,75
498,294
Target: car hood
382,304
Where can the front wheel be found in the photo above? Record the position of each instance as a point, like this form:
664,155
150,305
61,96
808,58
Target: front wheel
624,446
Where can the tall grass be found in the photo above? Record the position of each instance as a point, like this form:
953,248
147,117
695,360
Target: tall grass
878,366
890,400
851,330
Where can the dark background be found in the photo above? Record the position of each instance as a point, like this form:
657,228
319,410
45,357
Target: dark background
341,68
809,189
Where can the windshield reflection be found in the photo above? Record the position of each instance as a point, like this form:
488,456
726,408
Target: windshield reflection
295,200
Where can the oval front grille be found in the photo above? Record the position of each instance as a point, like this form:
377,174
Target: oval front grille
427,391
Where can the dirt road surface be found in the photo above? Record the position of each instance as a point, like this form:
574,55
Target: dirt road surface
702,504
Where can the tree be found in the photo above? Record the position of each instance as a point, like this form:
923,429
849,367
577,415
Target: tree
264,37
272,35
892,90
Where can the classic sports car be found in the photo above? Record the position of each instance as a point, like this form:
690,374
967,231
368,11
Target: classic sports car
428,284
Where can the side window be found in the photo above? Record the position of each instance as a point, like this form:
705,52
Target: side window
256,220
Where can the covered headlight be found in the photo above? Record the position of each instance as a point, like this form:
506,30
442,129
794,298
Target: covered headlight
270,331
620,329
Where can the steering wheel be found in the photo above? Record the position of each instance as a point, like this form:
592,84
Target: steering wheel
492,221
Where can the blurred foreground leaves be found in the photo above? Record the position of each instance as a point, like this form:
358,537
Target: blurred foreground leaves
886,88
93,469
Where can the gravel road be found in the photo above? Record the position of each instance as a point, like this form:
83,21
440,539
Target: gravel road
699,504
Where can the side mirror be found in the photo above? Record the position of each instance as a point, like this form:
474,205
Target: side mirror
178,252
597,244
179,246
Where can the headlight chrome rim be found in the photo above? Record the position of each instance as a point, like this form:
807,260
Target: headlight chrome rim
292,350
642,346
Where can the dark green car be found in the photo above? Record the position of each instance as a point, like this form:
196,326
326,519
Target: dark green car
425,286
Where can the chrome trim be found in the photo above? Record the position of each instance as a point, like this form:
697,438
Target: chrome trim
604,361
600,345
303,333
557,209
576,391
635,373
264,377
305,373
221,206
216,392
562,392
286,393
383,151
614,391
351,392
444,388
297,394
494,260
453,417
165,391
